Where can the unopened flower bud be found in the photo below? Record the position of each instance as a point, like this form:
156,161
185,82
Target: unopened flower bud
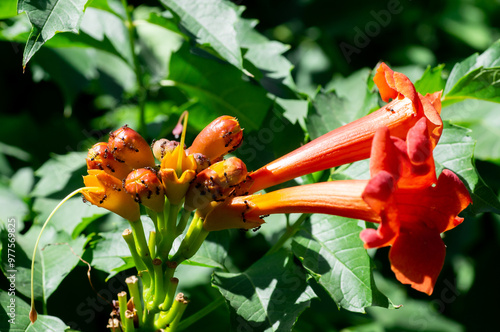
163,146
215,183
99,157
221,136
143,184
202,162
129,147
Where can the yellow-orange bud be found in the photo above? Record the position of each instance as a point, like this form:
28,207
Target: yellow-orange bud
220,137
215,183
99,157
143,184
129,147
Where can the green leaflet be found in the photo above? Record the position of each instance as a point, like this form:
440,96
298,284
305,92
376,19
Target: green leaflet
268,296
49,17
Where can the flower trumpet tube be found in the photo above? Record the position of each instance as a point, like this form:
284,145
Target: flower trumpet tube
99,157
106,191
413,206
341,198
129,147
221,136
143,184
352,142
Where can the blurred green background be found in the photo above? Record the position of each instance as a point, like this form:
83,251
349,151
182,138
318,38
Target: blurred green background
59,105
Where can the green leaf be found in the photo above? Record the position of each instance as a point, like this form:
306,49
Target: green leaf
213,251
212,22
57,172
476,77
44,323
219,89
69,215
330,248
482,118
8,8
110,252
274,69
455,151
268,296
431,81
49,17
349,100
57,255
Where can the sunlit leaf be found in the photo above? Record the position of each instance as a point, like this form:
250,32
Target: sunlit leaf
431,81
212,22
49,17
331,249
268,296
477,77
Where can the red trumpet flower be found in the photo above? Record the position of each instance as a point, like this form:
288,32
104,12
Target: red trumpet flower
352,142
403,195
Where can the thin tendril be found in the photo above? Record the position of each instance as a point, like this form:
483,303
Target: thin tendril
33,314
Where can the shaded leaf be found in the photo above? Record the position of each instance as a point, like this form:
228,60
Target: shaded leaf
268,296
213,251
56,257
44,323
349,100
219,89
330,247
49,17
212,22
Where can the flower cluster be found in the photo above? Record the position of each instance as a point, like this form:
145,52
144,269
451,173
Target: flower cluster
404,195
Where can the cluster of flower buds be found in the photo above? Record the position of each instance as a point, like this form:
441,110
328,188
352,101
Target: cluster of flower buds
122,173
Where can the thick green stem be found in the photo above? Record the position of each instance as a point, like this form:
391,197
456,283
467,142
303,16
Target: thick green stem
170,295
129,321
170,232
183,222
142,245
152,243
173,316
159,294
122,304
290,231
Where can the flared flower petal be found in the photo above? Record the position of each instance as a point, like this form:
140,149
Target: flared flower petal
106,191
414,207
352,142
177,170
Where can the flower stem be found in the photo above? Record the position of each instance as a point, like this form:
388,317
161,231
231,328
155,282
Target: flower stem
133,288
142,246
122,304
139,264
290,231
33,314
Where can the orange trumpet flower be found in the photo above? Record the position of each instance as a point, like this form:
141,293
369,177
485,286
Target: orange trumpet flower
352,142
